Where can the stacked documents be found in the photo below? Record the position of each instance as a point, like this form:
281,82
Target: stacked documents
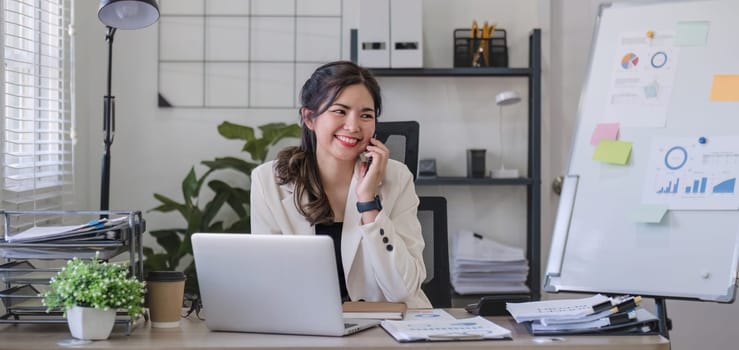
588,315
98,229
480,265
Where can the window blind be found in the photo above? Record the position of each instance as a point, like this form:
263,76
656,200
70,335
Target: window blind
37,149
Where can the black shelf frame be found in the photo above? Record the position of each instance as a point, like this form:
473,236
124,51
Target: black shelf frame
533,181
470,181
453,72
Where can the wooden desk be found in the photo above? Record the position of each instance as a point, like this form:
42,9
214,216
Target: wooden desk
193,334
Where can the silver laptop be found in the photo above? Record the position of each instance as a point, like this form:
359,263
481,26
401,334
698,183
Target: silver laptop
271,284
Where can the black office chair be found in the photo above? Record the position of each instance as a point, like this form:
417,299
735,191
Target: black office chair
402,140
432,214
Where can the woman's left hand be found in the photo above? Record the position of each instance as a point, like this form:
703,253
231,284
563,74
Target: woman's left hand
370,179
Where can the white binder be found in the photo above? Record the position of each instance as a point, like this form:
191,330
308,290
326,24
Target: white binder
406,34
374,33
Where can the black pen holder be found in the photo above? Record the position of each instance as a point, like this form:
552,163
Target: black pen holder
466,49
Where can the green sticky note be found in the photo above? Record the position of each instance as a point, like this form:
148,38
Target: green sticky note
692,33
614,152
649,213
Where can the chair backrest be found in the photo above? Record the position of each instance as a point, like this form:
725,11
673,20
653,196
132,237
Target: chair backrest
402,140
432,214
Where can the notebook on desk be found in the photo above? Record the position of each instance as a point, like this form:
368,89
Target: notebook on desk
271,284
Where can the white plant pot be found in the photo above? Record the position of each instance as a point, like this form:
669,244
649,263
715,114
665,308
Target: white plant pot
89,323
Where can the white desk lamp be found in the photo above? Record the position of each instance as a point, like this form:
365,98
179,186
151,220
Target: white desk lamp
505,98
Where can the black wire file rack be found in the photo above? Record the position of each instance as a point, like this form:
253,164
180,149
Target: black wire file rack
28,262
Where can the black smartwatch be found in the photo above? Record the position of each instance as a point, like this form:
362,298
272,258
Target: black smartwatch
371,205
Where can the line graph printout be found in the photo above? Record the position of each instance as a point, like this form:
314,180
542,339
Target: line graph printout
696,173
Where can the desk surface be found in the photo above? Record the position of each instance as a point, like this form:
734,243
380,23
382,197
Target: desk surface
193,334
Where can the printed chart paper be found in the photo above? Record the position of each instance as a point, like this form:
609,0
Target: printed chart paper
642,79
697,173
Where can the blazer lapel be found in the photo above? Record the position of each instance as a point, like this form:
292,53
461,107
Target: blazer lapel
351,234
296,222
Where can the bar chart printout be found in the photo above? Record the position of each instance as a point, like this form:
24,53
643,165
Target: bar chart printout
685,174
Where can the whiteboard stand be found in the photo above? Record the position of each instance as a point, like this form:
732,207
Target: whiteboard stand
601,243
665,324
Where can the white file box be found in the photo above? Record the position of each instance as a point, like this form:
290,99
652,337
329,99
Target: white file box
374,33
406,34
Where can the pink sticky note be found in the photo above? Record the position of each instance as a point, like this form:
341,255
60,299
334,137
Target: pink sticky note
604,131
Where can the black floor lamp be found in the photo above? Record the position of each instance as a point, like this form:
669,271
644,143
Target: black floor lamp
118,14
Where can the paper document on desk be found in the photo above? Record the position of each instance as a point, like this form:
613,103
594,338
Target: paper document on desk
426,314
475,328
552,309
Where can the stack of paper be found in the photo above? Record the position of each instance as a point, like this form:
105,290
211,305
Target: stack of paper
588,315
99,229
480,265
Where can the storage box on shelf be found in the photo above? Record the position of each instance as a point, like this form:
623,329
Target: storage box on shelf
28,264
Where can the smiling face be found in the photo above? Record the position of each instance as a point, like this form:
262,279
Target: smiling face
344,130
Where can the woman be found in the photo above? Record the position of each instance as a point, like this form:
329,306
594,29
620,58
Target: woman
323,187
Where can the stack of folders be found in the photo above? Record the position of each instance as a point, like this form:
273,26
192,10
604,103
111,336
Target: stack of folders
597,314
481,265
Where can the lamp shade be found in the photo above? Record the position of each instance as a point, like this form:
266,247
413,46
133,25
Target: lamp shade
128,14
506,98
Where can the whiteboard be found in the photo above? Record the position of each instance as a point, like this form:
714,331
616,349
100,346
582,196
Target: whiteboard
683,157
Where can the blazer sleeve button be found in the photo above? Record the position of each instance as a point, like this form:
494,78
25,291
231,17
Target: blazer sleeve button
385,240
389,247
382,232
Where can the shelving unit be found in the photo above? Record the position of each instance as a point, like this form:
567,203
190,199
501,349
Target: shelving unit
533,181
452,72
22,282
458,180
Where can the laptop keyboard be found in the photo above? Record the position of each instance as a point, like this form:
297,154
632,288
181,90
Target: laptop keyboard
349,325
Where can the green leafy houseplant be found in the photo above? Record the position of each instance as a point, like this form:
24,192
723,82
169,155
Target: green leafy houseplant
96,284
201,215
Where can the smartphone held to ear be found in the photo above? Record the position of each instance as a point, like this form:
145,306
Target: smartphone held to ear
363,157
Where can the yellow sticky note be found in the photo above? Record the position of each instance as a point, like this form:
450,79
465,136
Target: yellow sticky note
725,87
648,213
614,152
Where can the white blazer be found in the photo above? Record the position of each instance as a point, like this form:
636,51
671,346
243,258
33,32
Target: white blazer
374,271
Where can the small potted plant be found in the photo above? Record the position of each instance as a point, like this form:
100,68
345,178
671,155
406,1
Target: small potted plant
89,292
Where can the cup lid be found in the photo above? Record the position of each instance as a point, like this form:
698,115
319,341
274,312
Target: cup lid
165,276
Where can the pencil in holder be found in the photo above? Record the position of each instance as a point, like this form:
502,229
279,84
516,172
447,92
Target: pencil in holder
475,52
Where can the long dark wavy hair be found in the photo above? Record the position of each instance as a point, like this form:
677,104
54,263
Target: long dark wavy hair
298,165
